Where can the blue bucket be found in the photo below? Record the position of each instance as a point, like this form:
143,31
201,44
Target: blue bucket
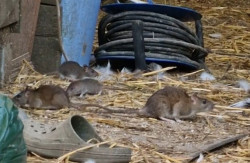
78,28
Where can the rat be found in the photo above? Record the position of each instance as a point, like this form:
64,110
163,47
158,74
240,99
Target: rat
48,97
174,103
171,103
73,71
69,69
87,86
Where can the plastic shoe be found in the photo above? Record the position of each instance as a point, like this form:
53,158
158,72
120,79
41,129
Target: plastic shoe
54,141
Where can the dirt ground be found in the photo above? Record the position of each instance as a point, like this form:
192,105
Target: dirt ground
158,141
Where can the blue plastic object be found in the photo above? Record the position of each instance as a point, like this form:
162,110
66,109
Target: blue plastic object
180,13
78,28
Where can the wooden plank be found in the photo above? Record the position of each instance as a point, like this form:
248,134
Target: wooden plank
17,46
47,21
9,11
46,54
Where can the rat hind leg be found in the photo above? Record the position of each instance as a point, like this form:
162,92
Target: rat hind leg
36,103
59,100
162,110
180,111
177,110
173,116
83,93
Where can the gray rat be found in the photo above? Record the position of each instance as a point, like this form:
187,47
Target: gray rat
73,71
87,86
47,97
172,103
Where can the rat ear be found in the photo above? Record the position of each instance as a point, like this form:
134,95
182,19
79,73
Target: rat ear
194,97
85,68
27,93
27,88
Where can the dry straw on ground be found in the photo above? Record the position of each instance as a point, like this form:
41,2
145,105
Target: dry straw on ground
157,141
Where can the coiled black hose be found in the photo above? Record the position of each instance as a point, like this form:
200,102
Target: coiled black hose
164,37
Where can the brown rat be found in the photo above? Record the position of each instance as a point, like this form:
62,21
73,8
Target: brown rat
172,103
73,71
175,103
47,97
87,86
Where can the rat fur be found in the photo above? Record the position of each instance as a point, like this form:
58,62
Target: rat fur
47,97
171,103
73,71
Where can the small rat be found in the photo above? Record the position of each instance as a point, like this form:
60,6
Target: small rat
47,97
87,86
73,71
171,103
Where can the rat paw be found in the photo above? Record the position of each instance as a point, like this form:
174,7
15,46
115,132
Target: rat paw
167,120
81,95
178,120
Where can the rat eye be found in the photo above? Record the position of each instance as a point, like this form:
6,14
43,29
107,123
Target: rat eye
18,96
204,101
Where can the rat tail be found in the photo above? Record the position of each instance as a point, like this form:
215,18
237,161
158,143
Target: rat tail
116,88
99,106
124,110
